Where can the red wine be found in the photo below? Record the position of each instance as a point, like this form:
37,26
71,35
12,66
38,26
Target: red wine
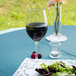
36,30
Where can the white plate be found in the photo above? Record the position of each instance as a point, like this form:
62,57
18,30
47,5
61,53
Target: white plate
28,66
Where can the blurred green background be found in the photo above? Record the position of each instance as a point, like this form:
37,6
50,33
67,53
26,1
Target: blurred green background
13,12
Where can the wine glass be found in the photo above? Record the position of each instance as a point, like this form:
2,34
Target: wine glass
36,25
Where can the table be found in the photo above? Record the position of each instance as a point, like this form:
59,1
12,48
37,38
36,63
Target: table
15,46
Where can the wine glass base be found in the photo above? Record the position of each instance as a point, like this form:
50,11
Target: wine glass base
56,38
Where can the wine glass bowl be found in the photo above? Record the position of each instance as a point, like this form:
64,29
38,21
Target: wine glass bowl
36,30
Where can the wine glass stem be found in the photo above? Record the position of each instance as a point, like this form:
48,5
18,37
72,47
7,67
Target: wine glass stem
36,48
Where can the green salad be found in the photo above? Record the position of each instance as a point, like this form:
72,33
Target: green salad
56,69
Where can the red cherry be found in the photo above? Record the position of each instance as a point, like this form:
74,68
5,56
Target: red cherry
33,56
34,52
39,56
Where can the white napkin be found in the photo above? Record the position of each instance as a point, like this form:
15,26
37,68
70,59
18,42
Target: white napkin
54,38
28,66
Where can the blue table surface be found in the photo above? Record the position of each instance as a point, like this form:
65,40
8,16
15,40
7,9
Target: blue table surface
16,46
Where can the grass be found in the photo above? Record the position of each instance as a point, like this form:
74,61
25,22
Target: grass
13,12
